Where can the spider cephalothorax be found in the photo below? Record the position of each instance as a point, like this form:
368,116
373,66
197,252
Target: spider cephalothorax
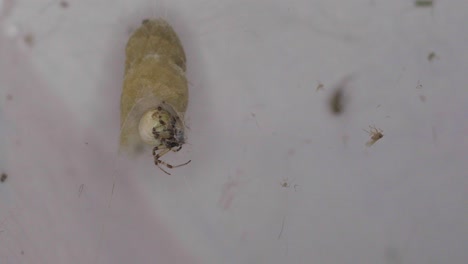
164,130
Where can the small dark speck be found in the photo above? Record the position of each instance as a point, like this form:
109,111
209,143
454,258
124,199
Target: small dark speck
336,102
338,99
86,143
423,3
422,98
319,86
9,97
3,177
419,86
64,4
29,39
22,252
431,56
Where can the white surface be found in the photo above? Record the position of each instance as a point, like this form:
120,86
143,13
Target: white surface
255,120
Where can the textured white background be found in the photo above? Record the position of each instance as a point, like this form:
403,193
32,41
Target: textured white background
255,120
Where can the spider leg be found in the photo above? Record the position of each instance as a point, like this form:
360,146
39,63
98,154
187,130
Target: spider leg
157,160
162,169
156,149
177,149
180,165
172,166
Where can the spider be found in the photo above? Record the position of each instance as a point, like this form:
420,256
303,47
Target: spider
375,133
168,135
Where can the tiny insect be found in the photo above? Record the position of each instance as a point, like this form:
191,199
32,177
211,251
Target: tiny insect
375,133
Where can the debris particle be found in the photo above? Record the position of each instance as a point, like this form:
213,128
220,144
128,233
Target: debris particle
282,227
423,3
375,134
9,97
64,4
285,183
432,56
80,190
422,98
29,39
419,86
3,177
255,117
319,86
22,252
230,189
